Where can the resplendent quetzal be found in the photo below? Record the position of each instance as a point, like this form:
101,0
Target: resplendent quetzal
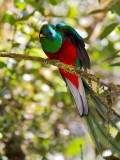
62,42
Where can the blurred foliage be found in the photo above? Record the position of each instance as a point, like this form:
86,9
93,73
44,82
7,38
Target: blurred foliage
38,121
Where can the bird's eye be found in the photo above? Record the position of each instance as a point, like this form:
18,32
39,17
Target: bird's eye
42,35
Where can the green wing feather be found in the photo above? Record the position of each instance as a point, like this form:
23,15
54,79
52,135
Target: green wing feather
68,33
62,26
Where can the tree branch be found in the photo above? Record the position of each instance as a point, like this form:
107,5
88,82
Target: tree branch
71,69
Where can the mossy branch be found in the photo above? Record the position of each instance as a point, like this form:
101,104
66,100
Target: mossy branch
71,69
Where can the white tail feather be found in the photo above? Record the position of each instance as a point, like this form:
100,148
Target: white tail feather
83,95
79,97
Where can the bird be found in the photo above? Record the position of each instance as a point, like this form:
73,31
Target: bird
63,43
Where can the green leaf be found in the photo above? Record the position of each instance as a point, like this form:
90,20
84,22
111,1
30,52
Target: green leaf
9,18
115,64
54,2
118,137
16,44
108,30
32,3
114,56
2,65
20,5
38,6
26,16
96,11
116,7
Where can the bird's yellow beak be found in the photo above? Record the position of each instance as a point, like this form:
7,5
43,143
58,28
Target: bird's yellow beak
42,35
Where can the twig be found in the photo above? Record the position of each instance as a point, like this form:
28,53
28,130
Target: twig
68,68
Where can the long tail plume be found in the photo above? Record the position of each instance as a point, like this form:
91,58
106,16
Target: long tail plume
97,123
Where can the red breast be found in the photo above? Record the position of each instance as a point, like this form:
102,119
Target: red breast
66,54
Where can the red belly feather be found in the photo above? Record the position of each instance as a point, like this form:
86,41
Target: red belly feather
67,54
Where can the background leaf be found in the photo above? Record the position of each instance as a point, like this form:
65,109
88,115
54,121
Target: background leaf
116,7
20,5
115,64
9,18
108,30
2,65
96,11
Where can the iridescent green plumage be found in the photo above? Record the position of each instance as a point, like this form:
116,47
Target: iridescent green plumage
70,34
52,42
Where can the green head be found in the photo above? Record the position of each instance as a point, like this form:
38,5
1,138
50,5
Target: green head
50,38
